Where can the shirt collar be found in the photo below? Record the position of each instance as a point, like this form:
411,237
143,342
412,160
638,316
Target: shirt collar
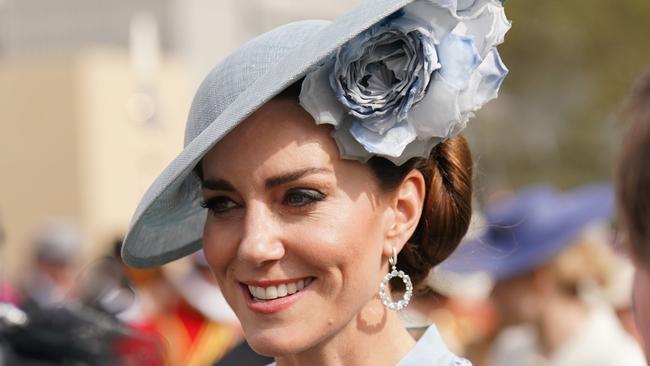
431,350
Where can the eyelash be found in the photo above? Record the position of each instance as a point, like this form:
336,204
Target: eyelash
311,195
213,204
305,196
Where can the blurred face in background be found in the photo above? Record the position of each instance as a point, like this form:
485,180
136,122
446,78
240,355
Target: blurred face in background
61,273
294,234
515,299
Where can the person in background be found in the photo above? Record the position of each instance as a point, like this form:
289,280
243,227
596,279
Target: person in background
53,330
200,326
57,246
547,275
66,334
8,293
181,307
633,198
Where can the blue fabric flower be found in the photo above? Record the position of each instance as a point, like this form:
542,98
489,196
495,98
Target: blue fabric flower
379,75
411,81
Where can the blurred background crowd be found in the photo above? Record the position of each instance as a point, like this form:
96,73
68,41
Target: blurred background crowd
93,100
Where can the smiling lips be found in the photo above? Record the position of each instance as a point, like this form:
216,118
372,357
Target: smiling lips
272,296
273,292
278,291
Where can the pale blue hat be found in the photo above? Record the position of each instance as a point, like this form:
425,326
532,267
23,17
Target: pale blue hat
168,222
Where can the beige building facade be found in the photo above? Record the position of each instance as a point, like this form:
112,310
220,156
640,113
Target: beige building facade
82,138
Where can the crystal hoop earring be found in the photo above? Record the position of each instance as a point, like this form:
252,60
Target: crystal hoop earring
385,297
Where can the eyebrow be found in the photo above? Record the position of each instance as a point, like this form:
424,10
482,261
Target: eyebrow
217,185
291,176
224,185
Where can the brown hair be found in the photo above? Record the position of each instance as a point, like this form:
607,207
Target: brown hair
632,173
447,207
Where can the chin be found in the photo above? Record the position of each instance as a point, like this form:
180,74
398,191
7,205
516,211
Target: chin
274,344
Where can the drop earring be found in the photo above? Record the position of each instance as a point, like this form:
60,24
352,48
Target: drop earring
386,297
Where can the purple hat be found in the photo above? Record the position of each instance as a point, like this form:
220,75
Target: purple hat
530,228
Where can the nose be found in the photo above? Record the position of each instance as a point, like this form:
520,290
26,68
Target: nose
260,243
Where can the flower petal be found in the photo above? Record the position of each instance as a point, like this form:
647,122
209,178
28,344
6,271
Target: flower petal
486,21
485,83
437,111
392,143
459,58
417,148
441,10
349,148
460,125
318,99
464,5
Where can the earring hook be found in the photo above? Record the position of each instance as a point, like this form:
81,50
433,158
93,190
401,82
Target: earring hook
393,259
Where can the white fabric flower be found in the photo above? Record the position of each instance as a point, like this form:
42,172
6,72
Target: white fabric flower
410,81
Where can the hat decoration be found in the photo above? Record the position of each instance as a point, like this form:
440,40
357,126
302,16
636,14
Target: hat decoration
411,80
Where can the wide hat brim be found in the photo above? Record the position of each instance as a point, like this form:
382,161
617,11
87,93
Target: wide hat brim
530,229
168,222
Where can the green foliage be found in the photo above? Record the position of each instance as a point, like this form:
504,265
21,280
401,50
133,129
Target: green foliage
571,64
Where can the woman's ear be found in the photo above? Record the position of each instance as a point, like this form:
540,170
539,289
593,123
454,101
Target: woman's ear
406,205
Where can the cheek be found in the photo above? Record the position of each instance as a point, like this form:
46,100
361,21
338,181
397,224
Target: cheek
340,243
219,246
348,235
353,254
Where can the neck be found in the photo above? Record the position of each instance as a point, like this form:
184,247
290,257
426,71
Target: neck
375,336
561,318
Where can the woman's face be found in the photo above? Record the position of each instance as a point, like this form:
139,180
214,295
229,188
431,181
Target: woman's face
295,236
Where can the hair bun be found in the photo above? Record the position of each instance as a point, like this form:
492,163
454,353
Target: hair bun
447,208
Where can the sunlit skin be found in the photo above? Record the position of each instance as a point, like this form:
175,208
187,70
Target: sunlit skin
283,205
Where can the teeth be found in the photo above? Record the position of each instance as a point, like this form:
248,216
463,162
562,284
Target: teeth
282,290
273,292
